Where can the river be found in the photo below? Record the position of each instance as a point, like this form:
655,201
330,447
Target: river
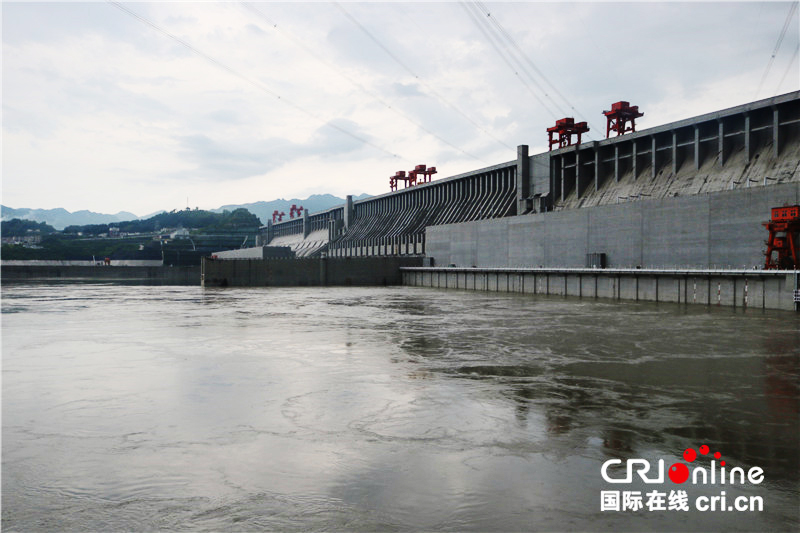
388,409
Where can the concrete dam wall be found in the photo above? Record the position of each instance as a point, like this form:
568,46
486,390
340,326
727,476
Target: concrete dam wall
654,211
715,230
305,272
639,185
394,223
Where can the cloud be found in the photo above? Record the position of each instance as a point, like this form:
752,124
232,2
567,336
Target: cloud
298,97
406,90
339,137
238,158
224,116
230,160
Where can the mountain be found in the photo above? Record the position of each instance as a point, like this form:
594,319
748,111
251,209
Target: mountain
314,203
60,218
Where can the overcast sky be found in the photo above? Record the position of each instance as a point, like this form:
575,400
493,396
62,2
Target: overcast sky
140,106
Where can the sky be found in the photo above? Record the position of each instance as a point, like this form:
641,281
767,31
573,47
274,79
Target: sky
142,106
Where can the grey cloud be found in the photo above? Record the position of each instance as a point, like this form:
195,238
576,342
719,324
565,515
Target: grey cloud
234,159
61,21
252,28
339,136
224,116
352,45
34,122
102,94
406,90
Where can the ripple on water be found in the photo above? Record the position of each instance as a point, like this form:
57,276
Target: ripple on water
376,408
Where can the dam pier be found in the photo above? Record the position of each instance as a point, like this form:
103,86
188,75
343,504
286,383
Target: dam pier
682,201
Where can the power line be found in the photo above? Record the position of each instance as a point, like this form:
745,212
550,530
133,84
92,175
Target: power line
788,67
510,39
249,81
478,21
415,76
491,22
316,56
789,16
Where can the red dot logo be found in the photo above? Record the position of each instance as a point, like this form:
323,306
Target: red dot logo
689,455
703,450
678,473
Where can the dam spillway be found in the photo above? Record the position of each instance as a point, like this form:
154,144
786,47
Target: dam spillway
690,194
394,223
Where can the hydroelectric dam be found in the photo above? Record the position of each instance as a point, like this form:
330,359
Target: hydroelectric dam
671,213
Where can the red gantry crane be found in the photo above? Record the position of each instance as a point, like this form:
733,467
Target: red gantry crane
784,238
565,128
621,113
420,172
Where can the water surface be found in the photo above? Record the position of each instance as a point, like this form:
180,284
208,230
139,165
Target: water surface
362,409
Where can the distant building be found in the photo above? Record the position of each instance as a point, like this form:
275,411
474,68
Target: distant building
29,239
181,233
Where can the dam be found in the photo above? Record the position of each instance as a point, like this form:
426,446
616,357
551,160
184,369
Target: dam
691,195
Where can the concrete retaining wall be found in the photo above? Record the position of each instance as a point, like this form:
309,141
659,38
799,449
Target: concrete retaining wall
716,230
257,252
305,271
755,289
161,275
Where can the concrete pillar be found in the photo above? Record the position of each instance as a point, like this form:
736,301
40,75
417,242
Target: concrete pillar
616,163
563,193
269,233
596,167
674,153
775,132
748,154
654,162
697,148
306,224
578,173
348,212
633,159
523,178
721,146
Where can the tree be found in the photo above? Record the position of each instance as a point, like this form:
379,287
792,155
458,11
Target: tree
19,228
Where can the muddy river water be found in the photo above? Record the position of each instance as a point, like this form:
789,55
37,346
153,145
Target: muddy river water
385,409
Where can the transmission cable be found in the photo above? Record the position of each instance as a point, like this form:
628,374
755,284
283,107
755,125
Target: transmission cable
477,20
479,17
388,105
499,27
254,83
415,76
788,67
789,16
